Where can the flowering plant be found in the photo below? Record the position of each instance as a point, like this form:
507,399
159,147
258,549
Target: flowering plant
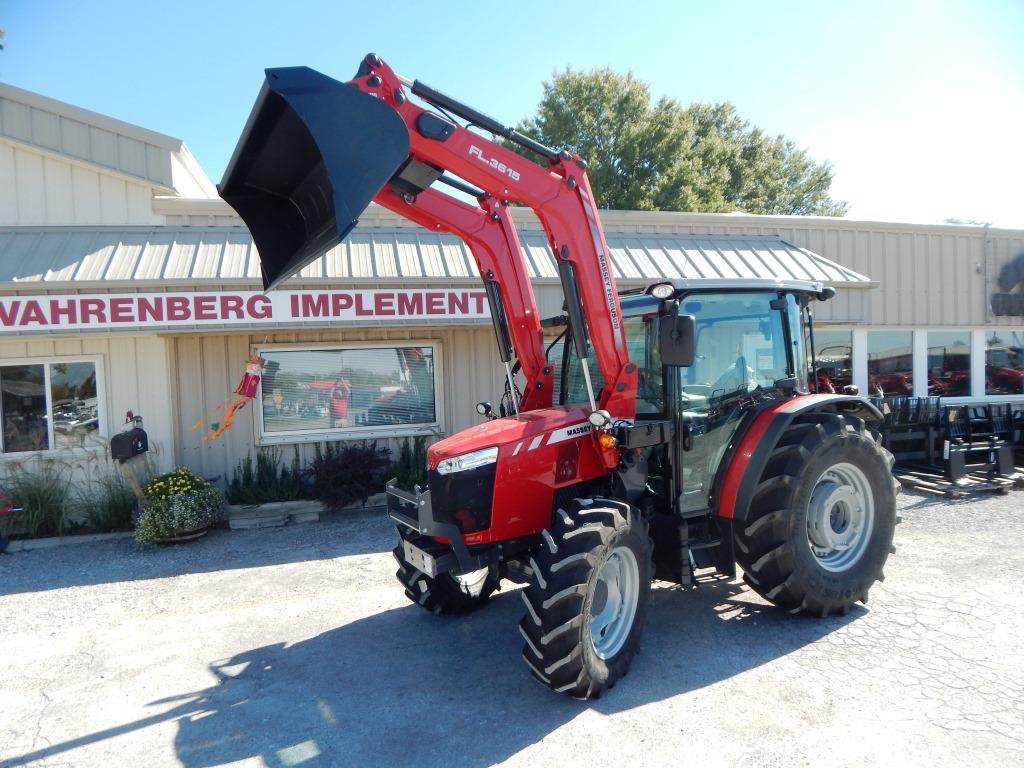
178,480
176,502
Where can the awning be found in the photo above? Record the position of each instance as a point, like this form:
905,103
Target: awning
147,257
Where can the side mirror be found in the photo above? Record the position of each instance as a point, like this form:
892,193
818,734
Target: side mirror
678,335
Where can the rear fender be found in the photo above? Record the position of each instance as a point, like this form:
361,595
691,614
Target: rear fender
749,458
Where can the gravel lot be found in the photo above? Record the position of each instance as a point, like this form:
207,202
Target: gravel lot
295,647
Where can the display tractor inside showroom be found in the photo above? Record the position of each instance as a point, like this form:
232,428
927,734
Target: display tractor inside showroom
663,432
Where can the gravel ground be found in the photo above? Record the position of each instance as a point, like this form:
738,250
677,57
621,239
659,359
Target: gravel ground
294,646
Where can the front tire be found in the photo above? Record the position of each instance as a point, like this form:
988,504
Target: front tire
451,594
822,519
587,599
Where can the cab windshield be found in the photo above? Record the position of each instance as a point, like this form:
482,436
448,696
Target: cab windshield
644,350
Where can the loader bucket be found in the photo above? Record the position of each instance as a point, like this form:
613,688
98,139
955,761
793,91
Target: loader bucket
312,155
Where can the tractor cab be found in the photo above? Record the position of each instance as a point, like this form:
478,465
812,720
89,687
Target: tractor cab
750,342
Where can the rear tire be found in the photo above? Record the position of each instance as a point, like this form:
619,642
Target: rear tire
587,599
821,522
447,593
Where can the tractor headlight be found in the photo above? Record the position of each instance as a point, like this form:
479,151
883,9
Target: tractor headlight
662,291
467,461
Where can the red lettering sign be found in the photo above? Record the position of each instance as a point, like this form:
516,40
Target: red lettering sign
33,314
340,302
231,305
362,311
95,308
206,308
24,313
151,309
314,305
121,310
435,303
259,307
410,304
8,315
458,303
57,311
178,308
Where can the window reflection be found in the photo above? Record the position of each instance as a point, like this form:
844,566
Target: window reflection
323,389
834,353
949,363
75,405
23,401
1004,363
890,363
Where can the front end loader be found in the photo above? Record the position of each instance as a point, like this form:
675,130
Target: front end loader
681,434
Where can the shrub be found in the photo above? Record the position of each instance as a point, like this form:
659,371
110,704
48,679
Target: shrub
178,480
163,518
106,503
411,468
341,475
42,494
267,480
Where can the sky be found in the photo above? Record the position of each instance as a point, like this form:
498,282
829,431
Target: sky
919,106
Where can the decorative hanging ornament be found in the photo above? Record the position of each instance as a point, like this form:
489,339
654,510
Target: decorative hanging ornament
245,391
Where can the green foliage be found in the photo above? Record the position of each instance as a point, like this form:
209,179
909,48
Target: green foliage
106,503
178,480
346,473
42,494
664,156
411,468
165,517
267,480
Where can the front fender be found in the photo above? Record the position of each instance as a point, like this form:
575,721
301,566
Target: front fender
749,458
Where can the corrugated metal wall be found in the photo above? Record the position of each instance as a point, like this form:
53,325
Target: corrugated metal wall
42,189
206,368
927,275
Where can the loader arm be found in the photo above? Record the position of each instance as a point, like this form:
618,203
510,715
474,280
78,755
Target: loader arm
561,197
492,239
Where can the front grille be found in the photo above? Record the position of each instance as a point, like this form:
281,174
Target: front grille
463,498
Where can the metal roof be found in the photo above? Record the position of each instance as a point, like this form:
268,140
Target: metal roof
211,256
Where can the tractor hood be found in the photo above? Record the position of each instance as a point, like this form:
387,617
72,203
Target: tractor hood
510,431
311,157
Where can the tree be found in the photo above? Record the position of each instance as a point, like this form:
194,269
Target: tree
2,33
663,156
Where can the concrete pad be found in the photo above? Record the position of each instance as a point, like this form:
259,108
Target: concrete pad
295,646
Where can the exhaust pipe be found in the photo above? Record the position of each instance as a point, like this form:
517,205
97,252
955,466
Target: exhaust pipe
313,154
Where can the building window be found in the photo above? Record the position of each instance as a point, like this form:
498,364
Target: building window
949,363
1004,363
350,391
890,363
47,406
833,351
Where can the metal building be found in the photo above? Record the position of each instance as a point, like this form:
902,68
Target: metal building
126,284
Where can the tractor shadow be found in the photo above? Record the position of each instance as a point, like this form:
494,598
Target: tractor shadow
403,687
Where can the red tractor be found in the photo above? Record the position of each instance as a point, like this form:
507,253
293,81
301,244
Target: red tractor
679,435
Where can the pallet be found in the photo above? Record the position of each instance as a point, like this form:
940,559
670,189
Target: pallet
973,483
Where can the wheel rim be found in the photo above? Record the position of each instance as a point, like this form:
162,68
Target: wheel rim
614,599
472,583
840,517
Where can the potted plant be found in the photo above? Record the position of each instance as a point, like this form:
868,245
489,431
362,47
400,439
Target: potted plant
179,506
